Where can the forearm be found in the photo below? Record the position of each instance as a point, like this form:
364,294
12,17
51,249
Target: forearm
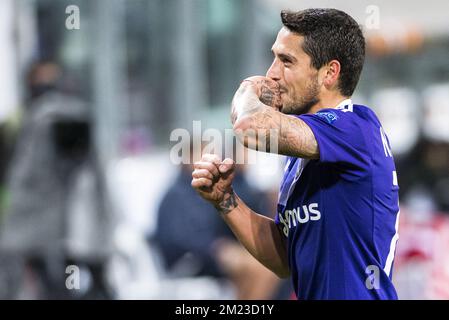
257,233
259,124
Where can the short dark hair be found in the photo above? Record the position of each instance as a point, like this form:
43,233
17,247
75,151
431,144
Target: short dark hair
330,34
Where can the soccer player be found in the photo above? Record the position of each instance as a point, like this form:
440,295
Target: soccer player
336,228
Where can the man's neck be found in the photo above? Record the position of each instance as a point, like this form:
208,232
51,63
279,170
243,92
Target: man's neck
331,101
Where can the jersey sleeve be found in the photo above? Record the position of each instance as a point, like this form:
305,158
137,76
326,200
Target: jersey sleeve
341,139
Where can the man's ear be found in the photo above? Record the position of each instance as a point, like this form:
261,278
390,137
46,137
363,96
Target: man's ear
331,73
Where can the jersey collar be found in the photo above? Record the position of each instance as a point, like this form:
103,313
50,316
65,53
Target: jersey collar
345,104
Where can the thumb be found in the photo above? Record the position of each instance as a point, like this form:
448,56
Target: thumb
227,165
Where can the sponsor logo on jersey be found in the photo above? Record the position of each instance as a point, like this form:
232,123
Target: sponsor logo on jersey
299,215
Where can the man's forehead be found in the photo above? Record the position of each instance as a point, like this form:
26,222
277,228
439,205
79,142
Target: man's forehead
287,42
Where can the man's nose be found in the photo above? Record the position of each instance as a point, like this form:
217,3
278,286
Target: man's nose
273,71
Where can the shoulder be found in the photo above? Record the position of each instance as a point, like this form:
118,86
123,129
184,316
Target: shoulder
361,112
352,124
354,115
347,115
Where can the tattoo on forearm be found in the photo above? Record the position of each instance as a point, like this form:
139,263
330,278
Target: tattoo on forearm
228,204
294,137
266,130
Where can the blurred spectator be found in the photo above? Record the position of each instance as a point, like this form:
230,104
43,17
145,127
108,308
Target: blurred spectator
194,241
56,213
422,255
421,267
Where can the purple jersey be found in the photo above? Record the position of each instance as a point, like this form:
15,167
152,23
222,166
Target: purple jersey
340,212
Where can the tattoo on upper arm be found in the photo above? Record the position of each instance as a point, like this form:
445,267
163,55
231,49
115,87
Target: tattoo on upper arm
296,138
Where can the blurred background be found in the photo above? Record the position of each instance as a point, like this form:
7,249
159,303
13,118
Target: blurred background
93,207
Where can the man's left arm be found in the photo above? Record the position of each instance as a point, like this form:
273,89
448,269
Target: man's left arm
256,125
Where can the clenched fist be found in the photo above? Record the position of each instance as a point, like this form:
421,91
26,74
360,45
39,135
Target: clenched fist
251,93
268,91
212,179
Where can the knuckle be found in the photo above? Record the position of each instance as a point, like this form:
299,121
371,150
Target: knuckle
211,158
209,167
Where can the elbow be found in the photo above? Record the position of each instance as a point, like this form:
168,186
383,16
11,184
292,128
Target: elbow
279,268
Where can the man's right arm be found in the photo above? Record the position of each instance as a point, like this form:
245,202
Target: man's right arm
212,179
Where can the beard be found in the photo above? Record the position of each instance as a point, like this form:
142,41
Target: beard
303,104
